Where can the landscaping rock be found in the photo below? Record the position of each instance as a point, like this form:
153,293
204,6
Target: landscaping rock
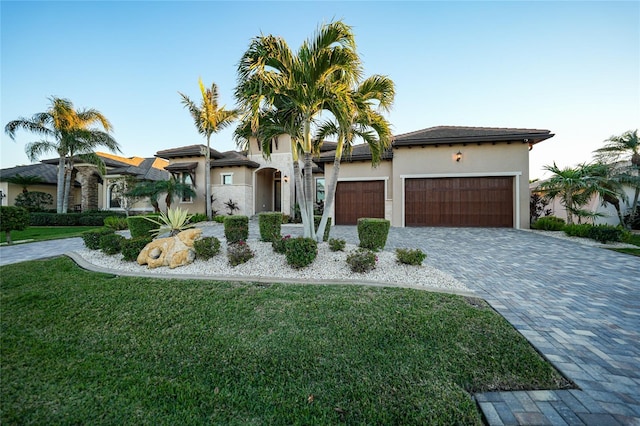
172,251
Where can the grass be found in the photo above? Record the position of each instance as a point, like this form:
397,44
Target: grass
82,348
42,233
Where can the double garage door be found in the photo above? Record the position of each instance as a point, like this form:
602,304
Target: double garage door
465,202
476,201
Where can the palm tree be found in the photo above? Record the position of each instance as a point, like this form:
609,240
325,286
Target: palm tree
358,120
209,118
307,82
153,189
621,148
575,187
24,181
72,134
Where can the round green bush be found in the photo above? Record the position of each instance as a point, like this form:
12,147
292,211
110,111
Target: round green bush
132,247
337,244
111,243
362,260
410,257
549,223
206,247
301,252
373,233
91,239
141,226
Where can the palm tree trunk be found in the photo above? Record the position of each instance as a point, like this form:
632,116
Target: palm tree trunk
634,207
307,204
207,179
60,188
67,188
297,173
330,194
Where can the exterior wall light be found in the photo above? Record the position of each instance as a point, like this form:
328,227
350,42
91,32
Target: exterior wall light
285,178
458,156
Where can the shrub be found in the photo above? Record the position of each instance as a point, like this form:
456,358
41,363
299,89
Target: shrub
198,217
270,225
206,247
606,233
88,218
578,230
92,238
91,220
116,222
286,218
132,247
373,233
280,244
231,206
327,229
337,244
301,252
13,219
219,219
549,223
239,252
410,257
362,260
173,221
141,227
236,228
111,243
635,223
34,201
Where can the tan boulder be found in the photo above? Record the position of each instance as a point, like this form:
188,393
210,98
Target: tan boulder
171,251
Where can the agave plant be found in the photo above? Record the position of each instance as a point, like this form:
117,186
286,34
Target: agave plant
174,221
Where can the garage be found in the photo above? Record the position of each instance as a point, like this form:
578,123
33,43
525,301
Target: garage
356,199
464,202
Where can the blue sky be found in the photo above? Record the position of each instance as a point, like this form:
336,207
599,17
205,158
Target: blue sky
570,67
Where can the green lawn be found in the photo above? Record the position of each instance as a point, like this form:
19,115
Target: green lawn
83,348
41,233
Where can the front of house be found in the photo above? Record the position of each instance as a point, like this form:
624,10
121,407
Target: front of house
439,176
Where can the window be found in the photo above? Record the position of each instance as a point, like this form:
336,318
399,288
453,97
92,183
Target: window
186,179
319,190
115,198
227,178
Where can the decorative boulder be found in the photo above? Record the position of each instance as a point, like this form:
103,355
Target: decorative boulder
171,251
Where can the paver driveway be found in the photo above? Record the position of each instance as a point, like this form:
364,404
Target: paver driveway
578,305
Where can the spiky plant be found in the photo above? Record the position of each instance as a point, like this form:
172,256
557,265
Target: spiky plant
173,221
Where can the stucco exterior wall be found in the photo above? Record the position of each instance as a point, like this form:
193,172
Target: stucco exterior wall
11,191
501,159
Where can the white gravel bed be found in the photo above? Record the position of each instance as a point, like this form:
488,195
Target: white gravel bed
328,266
584,241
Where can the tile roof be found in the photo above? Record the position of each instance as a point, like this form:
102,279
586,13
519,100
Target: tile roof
459,134
188,151
47,172
234,158
359,152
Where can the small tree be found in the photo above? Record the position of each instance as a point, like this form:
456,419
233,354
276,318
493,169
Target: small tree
123,185
13,219
34,201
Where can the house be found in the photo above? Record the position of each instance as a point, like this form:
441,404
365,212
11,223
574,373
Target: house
91,190
440,176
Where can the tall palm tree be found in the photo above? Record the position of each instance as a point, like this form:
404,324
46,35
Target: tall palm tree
358,119
622,148
575,187
73,135
318,74
611,180
209,118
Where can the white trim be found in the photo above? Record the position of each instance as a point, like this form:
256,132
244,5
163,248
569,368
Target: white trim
516,199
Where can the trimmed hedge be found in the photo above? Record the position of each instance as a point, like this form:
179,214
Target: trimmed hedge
90,218
270,226
206,247
373,233
92,238
132,247
301,252
141,227
236,228
111,243
327,229
549,223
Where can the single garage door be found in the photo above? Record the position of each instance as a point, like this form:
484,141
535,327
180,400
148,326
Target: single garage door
359,199
477,201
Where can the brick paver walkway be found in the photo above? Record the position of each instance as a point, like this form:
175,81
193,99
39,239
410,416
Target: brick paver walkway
578,305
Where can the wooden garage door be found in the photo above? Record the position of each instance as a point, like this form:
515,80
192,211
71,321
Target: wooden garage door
478,201
359,199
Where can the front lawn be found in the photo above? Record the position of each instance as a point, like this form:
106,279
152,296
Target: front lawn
42,233
85,348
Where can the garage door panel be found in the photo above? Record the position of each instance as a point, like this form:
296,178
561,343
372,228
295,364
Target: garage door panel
477,202
359,199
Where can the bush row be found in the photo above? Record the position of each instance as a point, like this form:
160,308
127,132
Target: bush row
600,233
93,218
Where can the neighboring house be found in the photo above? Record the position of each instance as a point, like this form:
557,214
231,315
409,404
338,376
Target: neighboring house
440,176
91,190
